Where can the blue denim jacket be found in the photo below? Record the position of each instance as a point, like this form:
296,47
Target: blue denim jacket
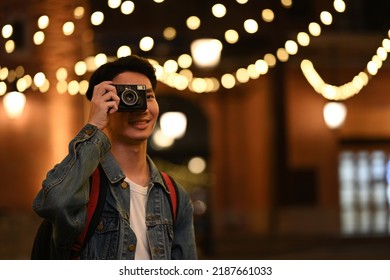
65,193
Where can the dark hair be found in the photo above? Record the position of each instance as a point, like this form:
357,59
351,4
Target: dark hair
110,70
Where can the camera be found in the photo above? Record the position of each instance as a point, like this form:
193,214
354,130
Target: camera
132,98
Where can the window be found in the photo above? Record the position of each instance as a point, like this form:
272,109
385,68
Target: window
364,177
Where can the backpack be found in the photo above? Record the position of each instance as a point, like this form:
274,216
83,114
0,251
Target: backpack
99,185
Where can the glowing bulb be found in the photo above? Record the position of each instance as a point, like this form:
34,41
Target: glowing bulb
206,52
334,114
173,124
14,103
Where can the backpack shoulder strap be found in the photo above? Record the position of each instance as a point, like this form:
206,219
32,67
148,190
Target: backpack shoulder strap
172,192
97,198
42,240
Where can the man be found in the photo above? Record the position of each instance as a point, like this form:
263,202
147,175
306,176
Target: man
136,222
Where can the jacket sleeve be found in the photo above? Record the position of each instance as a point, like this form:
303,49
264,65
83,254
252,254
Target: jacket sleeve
184,245
65,192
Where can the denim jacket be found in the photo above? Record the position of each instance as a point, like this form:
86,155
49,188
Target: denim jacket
65,194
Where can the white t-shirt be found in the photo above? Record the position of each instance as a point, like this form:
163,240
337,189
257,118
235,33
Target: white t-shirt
138,195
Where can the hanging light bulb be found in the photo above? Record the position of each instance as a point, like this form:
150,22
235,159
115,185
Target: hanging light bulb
206,52
14,103
334,114
173,124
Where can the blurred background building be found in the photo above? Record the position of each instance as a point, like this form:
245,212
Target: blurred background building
279,110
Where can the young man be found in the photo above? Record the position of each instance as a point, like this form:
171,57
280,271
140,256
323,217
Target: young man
136,222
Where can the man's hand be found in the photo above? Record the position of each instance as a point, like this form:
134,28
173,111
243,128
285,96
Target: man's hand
105,101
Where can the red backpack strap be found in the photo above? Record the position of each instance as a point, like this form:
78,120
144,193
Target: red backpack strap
92,203
172,192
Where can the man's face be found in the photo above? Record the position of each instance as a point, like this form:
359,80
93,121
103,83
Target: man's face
134,127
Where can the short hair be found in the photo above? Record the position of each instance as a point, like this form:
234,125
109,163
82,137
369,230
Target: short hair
110,70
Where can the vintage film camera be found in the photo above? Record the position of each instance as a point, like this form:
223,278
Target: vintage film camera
132,97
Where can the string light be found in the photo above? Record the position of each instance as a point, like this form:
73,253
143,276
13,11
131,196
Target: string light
184,77
351,88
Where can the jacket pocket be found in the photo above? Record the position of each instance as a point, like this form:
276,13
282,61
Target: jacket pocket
103,244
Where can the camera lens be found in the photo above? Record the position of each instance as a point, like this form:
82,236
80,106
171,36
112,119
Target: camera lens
129,97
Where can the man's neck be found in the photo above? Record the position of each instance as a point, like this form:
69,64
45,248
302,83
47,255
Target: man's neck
133,162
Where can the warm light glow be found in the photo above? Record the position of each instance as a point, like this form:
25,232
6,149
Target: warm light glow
381,53
146,43
339,6
169,33
127,7
291,47
252,72
114,4
80,68
3,88
193,22
315,29
173,124
326,18
61,74
206,52
372,68
83,87
267,15
170,66
286,3
261,66
199,85
242,75
73,87
218,10
38,38
184,61
43,22
4,73
123,51
334,114
79,12
68,28
9,46
251,26
100,59
197,165
97,18
282,54
21,85
14,103
39,79
160,140
303,39
270,59
45,87
7,31
231,36
180,82
228,81
62,87
386,44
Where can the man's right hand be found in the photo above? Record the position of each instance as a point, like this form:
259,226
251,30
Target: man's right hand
105,101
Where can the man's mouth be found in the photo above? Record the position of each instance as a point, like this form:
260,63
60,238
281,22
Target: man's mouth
139,122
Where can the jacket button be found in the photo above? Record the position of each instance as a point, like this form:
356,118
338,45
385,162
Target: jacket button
131,248
89,132
100,226
124,185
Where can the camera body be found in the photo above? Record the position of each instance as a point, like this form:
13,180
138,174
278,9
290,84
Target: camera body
132,97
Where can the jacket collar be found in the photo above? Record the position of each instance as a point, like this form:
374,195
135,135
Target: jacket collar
115,174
